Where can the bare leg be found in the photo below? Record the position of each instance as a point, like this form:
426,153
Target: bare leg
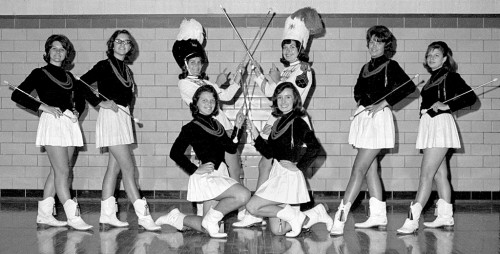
49,189
443,183
59,160
363,160
373,181
122,155
265,166
433,158
234,165
266,208
110,178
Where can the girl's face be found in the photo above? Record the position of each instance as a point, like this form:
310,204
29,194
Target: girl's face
121,46
290,52
285,100
376,48
194,66
435,59
206,103
57,53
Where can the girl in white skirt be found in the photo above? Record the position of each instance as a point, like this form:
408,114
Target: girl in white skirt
373,129
437,133
293,147
114,128
58,129
210,180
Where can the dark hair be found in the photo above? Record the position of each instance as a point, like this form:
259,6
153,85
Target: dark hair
185,72
67,45
450,64
302,55
383,34
205,88
111,45
297,101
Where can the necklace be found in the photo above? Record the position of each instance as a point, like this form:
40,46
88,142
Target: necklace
217,130
126,82
65,85
278,130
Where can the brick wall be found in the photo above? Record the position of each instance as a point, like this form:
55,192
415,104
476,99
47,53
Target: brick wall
337,58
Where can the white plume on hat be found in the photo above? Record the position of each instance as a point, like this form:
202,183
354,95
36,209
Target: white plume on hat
191,29
301,24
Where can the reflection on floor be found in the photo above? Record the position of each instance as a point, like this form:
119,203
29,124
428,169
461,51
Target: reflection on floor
477,230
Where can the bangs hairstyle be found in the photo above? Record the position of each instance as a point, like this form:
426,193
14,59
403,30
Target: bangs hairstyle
302,55
67,45
111,44
383,34
193,106
450,64
297,101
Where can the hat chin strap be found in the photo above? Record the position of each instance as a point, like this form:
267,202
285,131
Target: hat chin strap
187,68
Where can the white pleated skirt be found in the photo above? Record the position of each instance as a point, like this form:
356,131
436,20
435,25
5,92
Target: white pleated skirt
60,131
210,185
374,131
287,186
113,128
439,131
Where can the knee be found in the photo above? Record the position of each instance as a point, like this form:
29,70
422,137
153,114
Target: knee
276,230
243,196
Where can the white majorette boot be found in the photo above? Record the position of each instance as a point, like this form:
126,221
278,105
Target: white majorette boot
340,218
248,220
211,223
444,212
241,214
72,211
199,209
294,217
174,218
144,217
109,208
318,214
411,223
378,215
46,210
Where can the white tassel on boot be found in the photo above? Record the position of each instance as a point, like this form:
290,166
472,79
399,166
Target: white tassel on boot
144,217
294,217
109,208
411,223
211,223
174,218
444,212
72,211
378,215
340,218
318,214
248,220
45,217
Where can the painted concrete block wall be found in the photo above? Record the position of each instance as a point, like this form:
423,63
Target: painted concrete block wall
337,58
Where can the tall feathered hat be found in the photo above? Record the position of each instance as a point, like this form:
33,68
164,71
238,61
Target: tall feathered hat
301,24
189,42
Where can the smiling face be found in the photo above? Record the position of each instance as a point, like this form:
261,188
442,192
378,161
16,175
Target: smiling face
290,52
285,100
435,59
206,103
194,66
57,53
121,46
376,47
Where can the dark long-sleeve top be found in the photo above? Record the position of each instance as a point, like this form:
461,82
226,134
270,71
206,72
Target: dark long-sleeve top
108,83
68,96
295,135
444,85
209,147
379,77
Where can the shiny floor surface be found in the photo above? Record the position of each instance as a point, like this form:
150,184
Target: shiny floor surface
477,230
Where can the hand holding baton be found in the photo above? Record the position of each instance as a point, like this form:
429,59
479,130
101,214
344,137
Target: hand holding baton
73,119
136,120
424,111
385,96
